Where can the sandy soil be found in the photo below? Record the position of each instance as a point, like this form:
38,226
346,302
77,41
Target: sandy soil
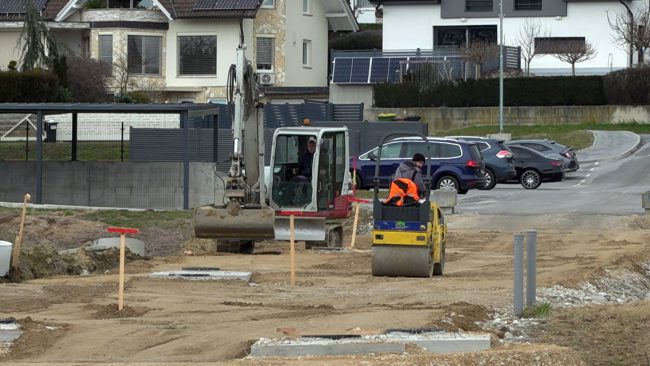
72,319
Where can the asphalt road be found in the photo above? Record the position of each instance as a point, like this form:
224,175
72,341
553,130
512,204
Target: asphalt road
611,187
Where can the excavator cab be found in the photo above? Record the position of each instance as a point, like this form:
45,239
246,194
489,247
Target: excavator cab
310,175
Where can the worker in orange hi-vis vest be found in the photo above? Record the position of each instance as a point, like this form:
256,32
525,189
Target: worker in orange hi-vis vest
407,185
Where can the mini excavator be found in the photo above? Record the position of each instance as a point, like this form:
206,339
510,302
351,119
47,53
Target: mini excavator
256,208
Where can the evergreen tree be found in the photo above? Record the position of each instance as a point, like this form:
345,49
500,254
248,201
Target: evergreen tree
39,45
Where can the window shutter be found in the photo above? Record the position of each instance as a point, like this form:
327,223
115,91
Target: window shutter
197,55
151,55
478,5
265,52
106,48
143,54
134,55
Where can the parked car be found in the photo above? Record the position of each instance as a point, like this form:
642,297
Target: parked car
551,149
533,167
499,164
455,164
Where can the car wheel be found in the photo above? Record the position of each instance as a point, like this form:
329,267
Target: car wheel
530,179
490,180
448,183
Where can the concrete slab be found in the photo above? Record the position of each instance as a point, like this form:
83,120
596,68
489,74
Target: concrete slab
9,332
135,246
323,347
394,342
445,199
202,275
447,342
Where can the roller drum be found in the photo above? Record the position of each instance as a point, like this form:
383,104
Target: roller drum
226,223
402,261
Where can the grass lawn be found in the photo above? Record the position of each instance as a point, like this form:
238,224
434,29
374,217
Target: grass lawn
62,151
574,135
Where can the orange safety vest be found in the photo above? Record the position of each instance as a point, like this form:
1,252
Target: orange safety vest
402,191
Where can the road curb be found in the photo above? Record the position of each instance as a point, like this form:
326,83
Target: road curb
634,146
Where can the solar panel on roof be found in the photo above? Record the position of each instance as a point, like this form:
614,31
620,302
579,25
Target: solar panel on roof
226,4
19,6
360,70
379,70
342,70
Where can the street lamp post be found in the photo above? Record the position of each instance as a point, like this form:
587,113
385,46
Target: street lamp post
501,66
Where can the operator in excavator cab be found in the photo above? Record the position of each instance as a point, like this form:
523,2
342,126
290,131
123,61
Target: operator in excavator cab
407,186
305,161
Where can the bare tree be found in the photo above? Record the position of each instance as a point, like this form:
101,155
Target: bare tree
479,52
530,30
632,30
574,51
119,76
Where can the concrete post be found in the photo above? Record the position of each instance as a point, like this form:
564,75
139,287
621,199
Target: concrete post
39,157
531,268
519,274
645,201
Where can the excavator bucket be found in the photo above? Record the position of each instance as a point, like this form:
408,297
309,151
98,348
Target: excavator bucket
226,223
305,228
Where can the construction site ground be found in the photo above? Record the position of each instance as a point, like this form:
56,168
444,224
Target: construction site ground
70,315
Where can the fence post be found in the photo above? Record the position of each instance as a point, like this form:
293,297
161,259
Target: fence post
531,269
518,274
26,140
122,143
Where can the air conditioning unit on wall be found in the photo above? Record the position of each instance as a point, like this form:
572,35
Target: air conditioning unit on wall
266,78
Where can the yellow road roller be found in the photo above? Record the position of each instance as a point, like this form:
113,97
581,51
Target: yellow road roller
407,241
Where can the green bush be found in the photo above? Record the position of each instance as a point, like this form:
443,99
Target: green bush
628,87
139,97
520,91
35,86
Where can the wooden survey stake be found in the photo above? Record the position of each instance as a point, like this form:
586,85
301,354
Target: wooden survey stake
122,232
15,257
354,226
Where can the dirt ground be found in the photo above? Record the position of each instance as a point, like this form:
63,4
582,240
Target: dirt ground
72,319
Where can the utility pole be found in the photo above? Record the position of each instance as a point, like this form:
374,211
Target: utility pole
501,66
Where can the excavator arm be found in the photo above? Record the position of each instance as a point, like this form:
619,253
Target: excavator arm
244,214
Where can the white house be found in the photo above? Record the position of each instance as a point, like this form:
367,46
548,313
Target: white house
427,24
184,48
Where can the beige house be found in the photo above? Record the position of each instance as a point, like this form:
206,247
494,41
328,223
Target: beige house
182,49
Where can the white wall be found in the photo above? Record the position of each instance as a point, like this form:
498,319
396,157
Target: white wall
8,50
312,27
585,19
227,32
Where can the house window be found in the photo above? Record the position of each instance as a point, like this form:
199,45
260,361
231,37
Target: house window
197,55
265,53
129,4
528,4
555,45
143,54
106,48
478,5
305,7
454,37
268,3
306,52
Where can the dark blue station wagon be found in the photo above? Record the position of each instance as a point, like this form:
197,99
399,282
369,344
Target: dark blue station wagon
456,165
